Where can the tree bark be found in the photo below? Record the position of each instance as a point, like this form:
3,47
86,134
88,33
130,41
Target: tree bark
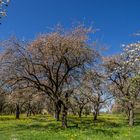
29,110
57,106
17,111
1,109
80,112
65,111
95,115
96,112
131,115
64,116
73,111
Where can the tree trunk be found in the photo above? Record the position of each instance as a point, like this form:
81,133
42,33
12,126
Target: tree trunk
80,112
64,116
57,106
131,115
33,112
28,110
57,114
131,118
17,111
1,109
27,115
73,111
96,112
65,111
95,115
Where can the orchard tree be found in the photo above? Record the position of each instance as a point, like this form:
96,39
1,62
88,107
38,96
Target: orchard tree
121,70
34,101
97,92
51,63
3,101
16,99
79,100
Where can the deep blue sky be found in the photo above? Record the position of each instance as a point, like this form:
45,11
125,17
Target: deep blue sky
116,19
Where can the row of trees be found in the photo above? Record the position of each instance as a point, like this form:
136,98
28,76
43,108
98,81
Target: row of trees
63,72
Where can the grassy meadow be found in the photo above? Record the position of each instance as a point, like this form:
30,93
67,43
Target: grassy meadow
108,127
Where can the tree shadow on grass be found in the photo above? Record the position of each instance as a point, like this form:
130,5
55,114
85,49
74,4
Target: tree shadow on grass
36,126
99,127
88,130
98,123
103,131
85,125
108,123
137,122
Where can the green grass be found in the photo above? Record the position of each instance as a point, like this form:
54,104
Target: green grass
108,127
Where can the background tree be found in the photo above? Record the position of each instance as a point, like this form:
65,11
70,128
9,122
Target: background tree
97,92
80,100
3,101
121,70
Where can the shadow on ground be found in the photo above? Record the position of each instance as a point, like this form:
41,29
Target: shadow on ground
85,125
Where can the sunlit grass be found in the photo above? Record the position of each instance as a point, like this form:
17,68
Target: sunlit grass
41,127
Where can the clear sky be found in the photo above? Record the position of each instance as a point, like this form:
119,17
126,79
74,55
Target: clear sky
116,19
